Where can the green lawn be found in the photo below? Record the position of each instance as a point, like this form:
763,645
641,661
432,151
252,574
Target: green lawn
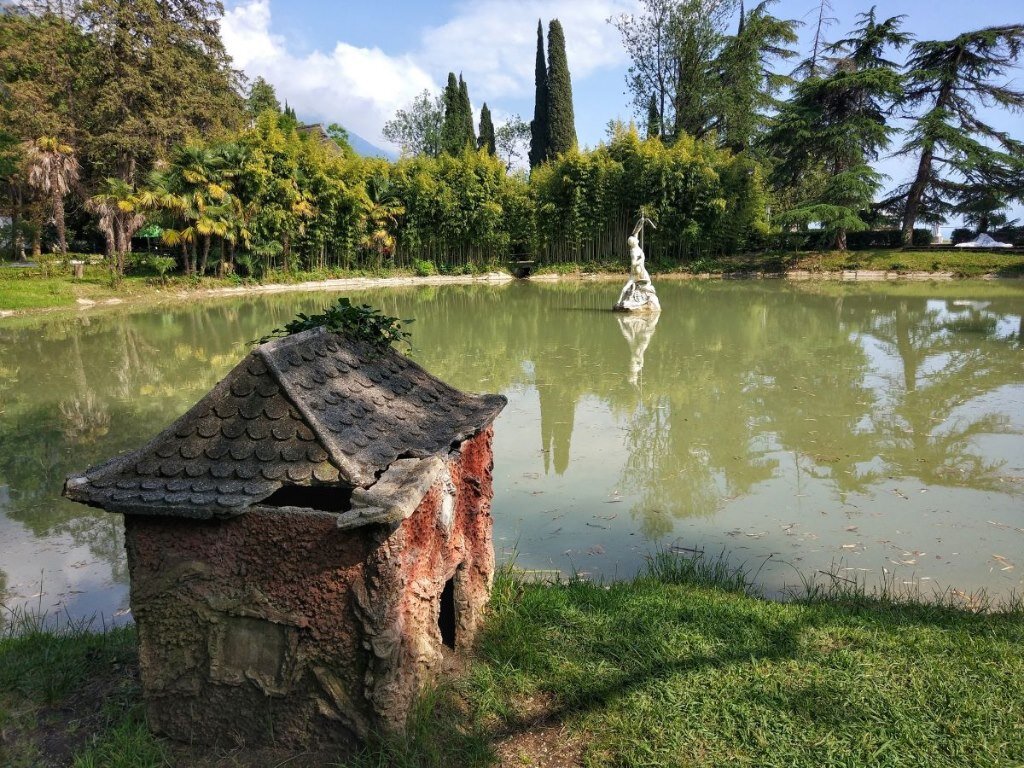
28,288
959,263
683,667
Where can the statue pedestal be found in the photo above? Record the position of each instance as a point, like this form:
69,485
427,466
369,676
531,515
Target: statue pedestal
637,297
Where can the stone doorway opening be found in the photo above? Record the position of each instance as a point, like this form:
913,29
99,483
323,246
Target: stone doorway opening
446,615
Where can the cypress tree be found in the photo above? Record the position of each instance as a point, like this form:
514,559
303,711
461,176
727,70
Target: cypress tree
466,113
486,140
561,122
540,133
453,132
653,118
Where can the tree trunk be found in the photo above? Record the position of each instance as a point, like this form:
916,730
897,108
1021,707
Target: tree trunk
924,174
840,243
914,196
58,213
37,242
206,255
17,240
983,223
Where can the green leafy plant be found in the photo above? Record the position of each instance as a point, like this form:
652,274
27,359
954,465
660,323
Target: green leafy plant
355,322
424,268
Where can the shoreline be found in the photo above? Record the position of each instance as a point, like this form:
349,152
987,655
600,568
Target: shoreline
160,295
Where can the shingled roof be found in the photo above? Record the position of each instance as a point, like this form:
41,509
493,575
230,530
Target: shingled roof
308,409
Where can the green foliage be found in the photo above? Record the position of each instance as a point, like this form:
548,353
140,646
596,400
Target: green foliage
964,164
561,119
262,97
704,201
417,128
457,129
840,122
487,138
424,268
360,323
746,83
540,130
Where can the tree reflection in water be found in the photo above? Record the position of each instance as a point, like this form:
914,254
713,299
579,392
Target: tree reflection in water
705,401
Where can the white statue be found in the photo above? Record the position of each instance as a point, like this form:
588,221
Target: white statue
638,294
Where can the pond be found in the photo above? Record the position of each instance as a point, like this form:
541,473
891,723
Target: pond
875,431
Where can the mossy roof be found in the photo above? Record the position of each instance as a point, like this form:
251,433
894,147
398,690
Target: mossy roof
312,408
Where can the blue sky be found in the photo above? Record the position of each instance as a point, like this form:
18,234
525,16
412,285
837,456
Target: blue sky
356,63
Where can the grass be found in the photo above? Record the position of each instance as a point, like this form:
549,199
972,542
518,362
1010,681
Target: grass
69,696
28,288
958,263
683,666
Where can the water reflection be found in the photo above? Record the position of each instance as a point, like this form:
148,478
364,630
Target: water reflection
637,330
739,404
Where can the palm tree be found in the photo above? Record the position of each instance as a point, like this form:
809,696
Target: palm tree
119,209
52,171
381,211
194,189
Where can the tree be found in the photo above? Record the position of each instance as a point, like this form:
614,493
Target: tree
841,121
540,131
487,138
160,75
466,111
262,97
417,128
561,120
648,39
512,141
673,45
52,171
453,129
120,216
653,119
698,28
339,135
950,79
747,83
812,66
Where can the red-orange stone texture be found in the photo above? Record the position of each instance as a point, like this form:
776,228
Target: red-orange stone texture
278,627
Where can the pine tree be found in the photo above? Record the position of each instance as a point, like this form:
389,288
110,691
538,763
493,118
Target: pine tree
453,129
561,121
747,84
486,140
951,79
653,118
839,121
466,112
261,98
540,131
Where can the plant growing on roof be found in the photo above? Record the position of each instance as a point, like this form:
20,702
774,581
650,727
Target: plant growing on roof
359,322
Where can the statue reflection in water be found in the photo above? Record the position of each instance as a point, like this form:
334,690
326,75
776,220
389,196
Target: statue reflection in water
637,330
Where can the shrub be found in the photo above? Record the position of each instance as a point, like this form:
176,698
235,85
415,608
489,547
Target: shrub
424,267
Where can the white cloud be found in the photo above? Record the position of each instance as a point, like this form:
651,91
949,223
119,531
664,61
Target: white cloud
492,42
361,87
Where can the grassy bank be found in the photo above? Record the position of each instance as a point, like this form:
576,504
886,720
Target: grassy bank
957,263
684,666
29,288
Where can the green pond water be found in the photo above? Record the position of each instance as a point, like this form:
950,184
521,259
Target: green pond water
871,430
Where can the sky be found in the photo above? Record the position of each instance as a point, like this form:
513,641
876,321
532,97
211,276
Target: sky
356,63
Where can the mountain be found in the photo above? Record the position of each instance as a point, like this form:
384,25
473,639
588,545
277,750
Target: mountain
366,149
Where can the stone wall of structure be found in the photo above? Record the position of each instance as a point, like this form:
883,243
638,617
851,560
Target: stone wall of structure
276,627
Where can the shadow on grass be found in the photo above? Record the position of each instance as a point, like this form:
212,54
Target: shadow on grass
675,669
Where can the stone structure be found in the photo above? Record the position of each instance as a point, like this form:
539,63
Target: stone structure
304,543
638,294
